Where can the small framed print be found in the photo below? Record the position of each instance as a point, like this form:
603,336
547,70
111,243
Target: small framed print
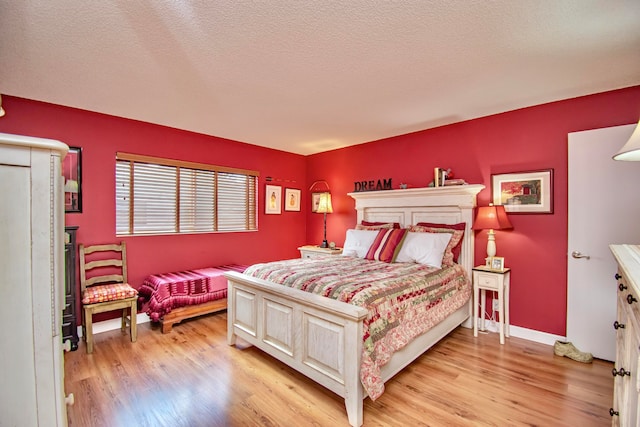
272,199
315,201
497,263
291,199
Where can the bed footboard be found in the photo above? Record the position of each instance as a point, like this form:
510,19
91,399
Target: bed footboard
319,337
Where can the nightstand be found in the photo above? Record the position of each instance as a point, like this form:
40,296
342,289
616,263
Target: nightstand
311,251
486,279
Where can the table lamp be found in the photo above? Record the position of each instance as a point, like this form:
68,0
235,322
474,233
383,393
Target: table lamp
631,150
324,207
491,218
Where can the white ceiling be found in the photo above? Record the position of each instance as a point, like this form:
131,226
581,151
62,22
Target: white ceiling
309,76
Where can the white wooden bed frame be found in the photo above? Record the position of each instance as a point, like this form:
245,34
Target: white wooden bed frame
322,337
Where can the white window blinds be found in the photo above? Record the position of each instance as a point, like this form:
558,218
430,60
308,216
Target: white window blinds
156,196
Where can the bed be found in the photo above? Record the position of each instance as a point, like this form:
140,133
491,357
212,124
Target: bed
323,337
170,298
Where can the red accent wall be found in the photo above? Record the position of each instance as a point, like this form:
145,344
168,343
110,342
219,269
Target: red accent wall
101,136
527,139
522,140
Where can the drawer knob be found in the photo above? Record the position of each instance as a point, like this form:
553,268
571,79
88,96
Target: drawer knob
617,325
620,372
617,276
631,299
622,287
612,412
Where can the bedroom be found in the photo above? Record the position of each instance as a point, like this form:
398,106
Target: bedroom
528,138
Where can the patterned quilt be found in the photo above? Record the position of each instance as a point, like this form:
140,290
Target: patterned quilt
404,300
167,291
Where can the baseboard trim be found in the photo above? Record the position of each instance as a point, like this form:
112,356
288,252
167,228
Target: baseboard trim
113,324
536,336
529,334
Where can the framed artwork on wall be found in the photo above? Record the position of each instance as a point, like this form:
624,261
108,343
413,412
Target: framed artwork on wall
524,192
291,199
72,173
315,201
272,199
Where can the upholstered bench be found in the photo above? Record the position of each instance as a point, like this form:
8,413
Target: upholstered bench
172,297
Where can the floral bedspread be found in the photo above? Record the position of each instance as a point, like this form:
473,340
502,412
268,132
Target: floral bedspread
404,300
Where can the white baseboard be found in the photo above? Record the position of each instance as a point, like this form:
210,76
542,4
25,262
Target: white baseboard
536,336
113,324
527,334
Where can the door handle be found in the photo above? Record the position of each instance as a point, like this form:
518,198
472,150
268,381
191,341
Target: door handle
578,255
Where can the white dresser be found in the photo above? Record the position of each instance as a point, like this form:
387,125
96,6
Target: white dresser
31,282
625,411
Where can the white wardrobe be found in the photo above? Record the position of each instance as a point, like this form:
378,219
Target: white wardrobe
31,282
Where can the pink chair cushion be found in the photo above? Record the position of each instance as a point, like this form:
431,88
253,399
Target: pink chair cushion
104,293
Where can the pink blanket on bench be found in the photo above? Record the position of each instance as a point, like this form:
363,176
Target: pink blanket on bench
164,292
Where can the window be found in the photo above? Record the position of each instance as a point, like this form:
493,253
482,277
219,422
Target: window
155,196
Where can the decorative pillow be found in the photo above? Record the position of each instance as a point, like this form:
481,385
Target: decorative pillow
358,242
424,248
387,244
380,225
452,252
459,226
112,292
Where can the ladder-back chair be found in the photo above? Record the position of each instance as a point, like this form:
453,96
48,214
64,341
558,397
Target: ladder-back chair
103,281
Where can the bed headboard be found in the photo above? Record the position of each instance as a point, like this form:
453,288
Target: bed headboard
444,205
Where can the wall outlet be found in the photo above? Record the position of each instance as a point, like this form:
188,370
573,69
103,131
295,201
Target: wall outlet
496,307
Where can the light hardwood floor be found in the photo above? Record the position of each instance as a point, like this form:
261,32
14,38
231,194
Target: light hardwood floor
191,377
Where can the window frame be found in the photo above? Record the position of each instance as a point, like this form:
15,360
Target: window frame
249,205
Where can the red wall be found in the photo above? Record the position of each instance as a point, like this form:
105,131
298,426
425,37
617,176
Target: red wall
522,140
101,136
527,139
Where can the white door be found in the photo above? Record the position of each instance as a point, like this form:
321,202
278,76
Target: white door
604,209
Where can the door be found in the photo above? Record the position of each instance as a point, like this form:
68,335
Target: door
604,209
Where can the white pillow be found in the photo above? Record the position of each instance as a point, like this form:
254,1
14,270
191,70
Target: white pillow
358,242
424,248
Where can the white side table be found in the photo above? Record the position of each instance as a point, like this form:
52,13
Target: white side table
311,251
486,279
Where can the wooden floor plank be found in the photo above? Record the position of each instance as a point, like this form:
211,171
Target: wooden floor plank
191,377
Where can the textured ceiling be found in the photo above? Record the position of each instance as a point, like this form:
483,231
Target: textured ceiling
310,76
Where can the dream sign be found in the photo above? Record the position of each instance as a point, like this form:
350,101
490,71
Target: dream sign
373,185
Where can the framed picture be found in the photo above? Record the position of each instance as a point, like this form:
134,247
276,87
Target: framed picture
291,199
315,201
524,192
72,173
272,199
497,263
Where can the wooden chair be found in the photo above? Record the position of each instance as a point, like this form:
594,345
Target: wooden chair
103,282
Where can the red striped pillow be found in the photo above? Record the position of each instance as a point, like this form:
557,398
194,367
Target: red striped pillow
387,244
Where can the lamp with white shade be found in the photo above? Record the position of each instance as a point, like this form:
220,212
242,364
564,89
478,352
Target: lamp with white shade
631,150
